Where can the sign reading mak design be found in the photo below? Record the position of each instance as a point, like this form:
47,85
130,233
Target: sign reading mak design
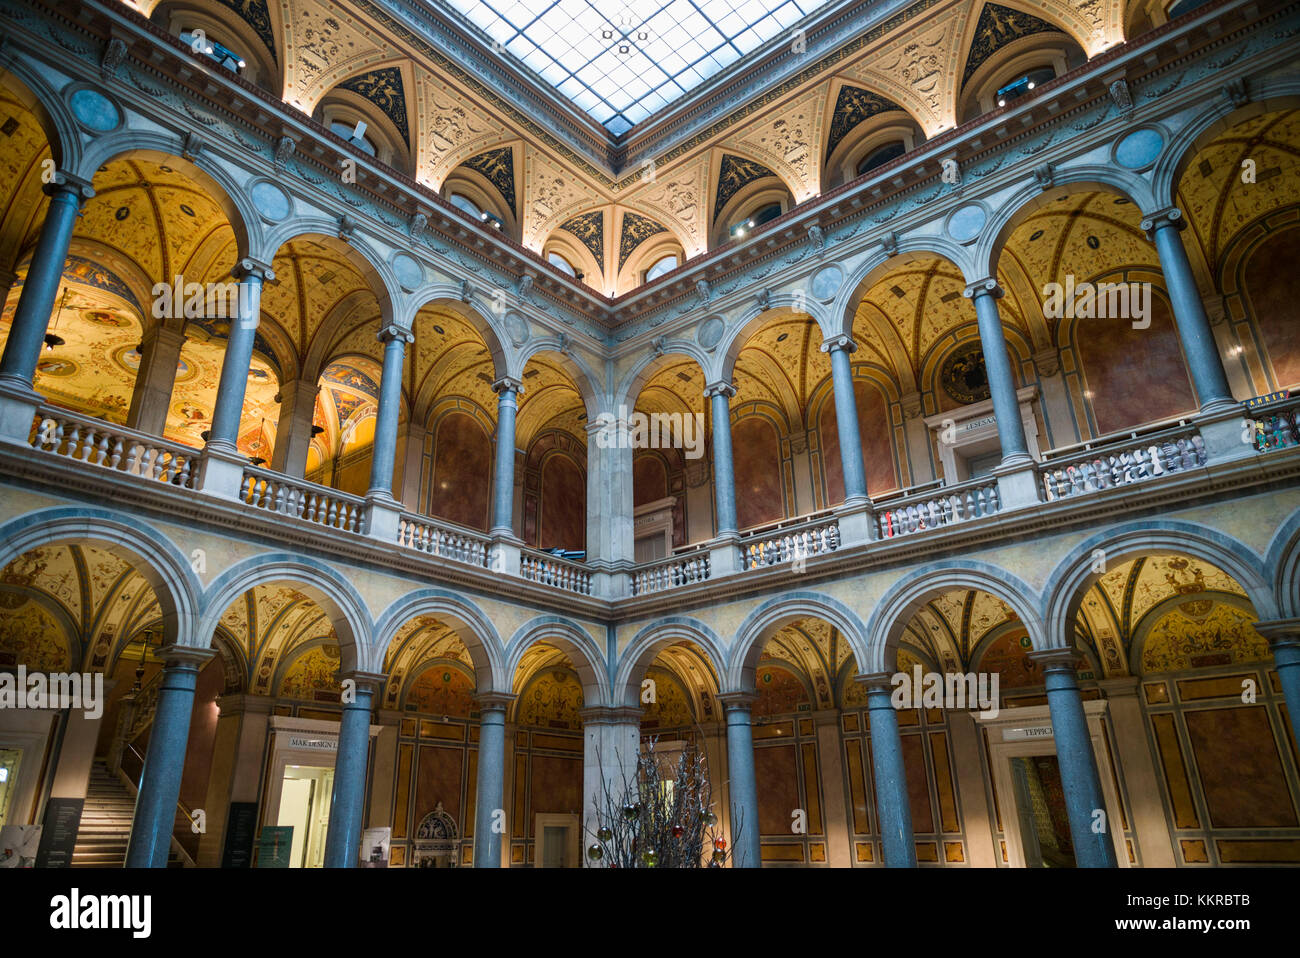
315,742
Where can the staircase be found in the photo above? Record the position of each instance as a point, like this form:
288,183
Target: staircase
106,823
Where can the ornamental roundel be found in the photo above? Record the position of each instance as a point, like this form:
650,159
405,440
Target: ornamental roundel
963,375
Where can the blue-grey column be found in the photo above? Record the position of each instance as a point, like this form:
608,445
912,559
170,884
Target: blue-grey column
893,807
1078,763
503,479
846,418
491,779
1284,639
164,762
745,845
724,477
36,301
383,452
229,409
1002,383
347,807
1203,359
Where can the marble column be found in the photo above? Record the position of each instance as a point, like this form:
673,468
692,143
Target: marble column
893,808
1133,750
503,479
1078,762
293,430
383,454
611,746
347,807
41,287
1002,382
160,351
489,801
724,481
830,758
164,763
746,846
1203,360
231,388
1284,639
610,533
846,418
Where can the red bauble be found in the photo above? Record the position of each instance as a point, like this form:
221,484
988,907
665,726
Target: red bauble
720,844
678,831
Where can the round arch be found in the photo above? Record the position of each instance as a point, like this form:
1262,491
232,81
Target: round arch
907,596
445,296
51,111
753,319
637,657
1284,560
322,584
1074,575
635,379
162,564
475,629
879,264
1269,95
574,365
212,176
366,258
770,616
566,635
1006,217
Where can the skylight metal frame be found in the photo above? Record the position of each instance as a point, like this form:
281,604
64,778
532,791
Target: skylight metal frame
622,66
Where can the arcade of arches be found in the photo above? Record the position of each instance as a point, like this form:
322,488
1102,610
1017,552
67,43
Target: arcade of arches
1171,624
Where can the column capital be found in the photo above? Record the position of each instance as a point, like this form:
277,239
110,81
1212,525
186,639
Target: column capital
371,682
65,182
719,388
986,286
507,384
738,701
185,655
393,332
877,681
610,715
1056,659
248,266
846,343
1280,631
1170,216
494,701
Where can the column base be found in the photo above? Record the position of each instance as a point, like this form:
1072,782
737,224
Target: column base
18,405
383,514
503,554
221,471
857,522
724,556
1223,429
610,580
1017,484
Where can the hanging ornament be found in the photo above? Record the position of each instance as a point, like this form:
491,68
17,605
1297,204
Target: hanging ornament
710,818
650,858
720,844
631,811
678,831
595,852
719,856
715,864
604,834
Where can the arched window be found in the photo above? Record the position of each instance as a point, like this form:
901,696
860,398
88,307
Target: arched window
881,156
203,45
665,264
354,135
463,202
755,219
1022,84
560,263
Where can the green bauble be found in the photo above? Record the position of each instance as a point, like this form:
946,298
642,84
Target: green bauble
710,818
604,834
649,858
719,856
715,864
595,852
632,811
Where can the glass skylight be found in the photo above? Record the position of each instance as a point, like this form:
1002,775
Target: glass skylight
622,62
